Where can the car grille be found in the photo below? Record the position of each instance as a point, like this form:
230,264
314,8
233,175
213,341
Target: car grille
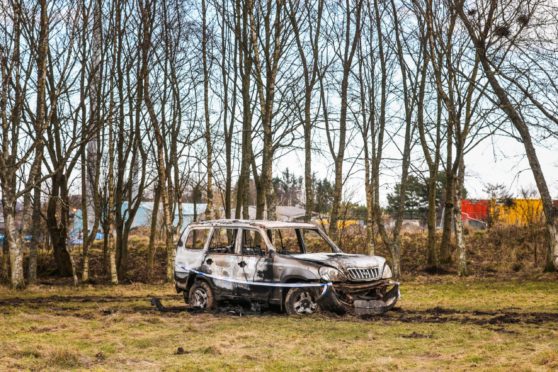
357,274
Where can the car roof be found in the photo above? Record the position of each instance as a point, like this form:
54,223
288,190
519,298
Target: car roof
265,224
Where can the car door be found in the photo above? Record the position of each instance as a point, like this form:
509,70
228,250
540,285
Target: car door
254,265
220,260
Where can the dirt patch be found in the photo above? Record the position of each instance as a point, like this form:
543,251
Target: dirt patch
481,318
17,301
416,335
503,330
181,351
432,315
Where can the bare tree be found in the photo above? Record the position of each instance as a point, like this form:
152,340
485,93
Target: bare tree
12,160
242,34
306,25
39,126
348,42
209,212
489,28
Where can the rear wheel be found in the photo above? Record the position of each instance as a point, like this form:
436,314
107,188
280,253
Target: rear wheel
301,301
201,296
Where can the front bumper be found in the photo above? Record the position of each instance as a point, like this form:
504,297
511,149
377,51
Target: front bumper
334,300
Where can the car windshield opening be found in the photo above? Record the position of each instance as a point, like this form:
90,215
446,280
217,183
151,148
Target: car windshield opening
298,241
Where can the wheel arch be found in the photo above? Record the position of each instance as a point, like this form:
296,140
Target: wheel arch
193,278
289,280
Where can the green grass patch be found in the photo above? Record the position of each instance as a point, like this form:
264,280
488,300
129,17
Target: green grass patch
449,323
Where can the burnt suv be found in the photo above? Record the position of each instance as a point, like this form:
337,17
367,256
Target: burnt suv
292,265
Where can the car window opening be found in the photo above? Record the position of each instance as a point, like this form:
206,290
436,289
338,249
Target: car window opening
223,241
253,243
196,239
298,241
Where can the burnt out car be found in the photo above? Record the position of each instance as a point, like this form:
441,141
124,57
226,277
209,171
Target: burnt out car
291,265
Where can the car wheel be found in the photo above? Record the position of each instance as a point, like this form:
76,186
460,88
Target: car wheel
201,296
301,301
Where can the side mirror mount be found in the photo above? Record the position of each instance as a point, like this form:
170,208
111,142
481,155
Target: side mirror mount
180,243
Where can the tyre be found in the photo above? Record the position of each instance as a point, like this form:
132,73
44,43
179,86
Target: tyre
301,301
201,296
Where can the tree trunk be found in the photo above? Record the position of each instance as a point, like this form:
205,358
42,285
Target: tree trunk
347,62
152,234
209,213
271,201
10,153
85,262
35,175
445,252
432,254
113,272
5,274
395,250
35,232
245,68
370,242
228,126
308,186
111,210
432,160
15,247
457,218
12,240
122,242
310,71
57,219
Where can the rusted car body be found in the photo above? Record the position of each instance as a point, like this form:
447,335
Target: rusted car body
292,265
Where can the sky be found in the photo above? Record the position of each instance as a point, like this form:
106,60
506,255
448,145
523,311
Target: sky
505,162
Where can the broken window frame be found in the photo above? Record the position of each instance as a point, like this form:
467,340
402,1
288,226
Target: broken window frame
263,236
186,235
300,234
235,243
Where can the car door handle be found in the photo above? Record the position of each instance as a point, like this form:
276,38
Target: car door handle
242,264
209,261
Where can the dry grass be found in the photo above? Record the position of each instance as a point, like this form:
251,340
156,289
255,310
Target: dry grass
444,323
501,251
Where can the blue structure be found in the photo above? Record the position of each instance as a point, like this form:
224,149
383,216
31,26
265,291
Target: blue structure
142,218
26,238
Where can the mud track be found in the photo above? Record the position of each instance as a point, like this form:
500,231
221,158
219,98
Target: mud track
477,317
17,301
109,305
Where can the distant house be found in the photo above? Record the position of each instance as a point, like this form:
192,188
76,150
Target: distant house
143,216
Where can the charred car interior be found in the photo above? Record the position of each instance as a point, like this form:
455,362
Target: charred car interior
291,265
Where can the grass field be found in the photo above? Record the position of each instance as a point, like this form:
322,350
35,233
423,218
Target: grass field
442,324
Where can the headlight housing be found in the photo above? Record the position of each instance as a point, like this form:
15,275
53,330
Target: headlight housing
386,272
330,274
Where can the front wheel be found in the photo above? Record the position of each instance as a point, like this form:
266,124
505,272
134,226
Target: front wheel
301,301
201,296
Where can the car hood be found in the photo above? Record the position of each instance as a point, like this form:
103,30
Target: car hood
343,261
